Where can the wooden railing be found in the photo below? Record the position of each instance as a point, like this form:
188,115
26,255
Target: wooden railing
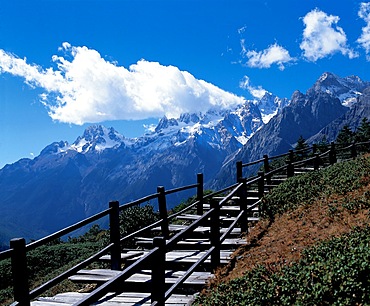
18,247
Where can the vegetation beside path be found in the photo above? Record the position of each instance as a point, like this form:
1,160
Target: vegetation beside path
311,248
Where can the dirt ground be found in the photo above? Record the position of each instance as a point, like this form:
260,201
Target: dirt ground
281,242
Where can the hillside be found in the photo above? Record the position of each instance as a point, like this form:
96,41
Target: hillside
312,247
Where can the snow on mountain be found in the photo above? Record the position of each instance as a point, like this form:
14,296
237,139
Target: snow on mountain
77,180
269,105
98,138
347,89
216,128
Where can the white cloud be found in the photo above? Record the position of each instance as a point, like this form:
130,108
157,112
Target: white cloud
322,36
256,92
274,54
90,89
364,39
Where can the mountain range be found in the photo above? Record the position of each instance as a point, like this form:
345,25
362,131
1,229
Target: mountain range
68,182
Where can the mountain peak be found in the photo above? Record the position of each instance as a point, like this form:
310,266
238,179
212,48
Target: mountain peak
346,89
269,105
97,137
164,123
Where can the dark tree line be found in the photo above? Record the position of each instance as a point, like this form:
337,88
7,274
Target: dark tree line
347,136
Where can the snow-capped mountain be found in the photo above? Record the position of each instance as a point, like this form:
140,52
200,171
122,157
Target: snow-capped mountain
97,138
269,105
215,128
329,104
68,182
347,89
79,179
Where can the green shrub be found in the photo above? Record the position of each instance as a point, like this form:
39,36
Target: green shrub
339,179
335,272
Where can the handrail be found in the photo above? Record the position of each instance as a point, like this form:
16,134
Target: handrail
302,162
6,254
232,226
67,230
220,191
37,291
230,195
189,228
275,170
231,191
122,276
170,217
181,188
188,273
139,201
144,229
278,156
253,162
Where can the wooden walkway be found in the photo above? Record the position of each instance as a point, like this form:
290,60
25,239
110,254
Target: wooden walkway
175,256
187,252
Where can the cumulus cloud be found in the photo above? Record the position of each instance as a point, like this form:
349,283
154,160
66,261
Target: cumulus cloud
322,36
274,54
257,92
90,89
364,39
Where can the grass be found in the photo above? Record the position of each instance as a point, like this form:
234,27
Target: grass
311,248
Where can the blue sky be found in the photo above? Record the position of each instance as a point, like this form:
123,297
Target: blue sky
66,64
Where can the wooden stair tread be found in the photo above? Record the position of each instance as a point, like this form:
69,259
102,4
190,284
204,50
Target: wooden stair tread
199,229
229,207
196,244
144,276
124,256
196,217
122,299
171,277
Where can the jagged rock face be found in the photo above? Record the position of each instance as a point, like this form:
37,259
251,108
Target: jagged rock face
346,89
307,115
352,118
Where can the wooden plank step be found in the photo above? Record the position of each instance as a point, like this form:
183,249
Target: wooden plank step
93,276
122,299
229,208
195,243
221,198
187,257
196,217
144,276
124,256
199,229
179,227
142,298
171,277
66,298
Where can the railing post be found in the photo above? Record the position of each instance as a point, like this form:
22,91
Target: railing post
261,184
200,193
291,156
163,214
353,151
290,169
114,231
19,271
266,167
215,234
239,171
316,162
314,148
243,204
158,271
332,154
